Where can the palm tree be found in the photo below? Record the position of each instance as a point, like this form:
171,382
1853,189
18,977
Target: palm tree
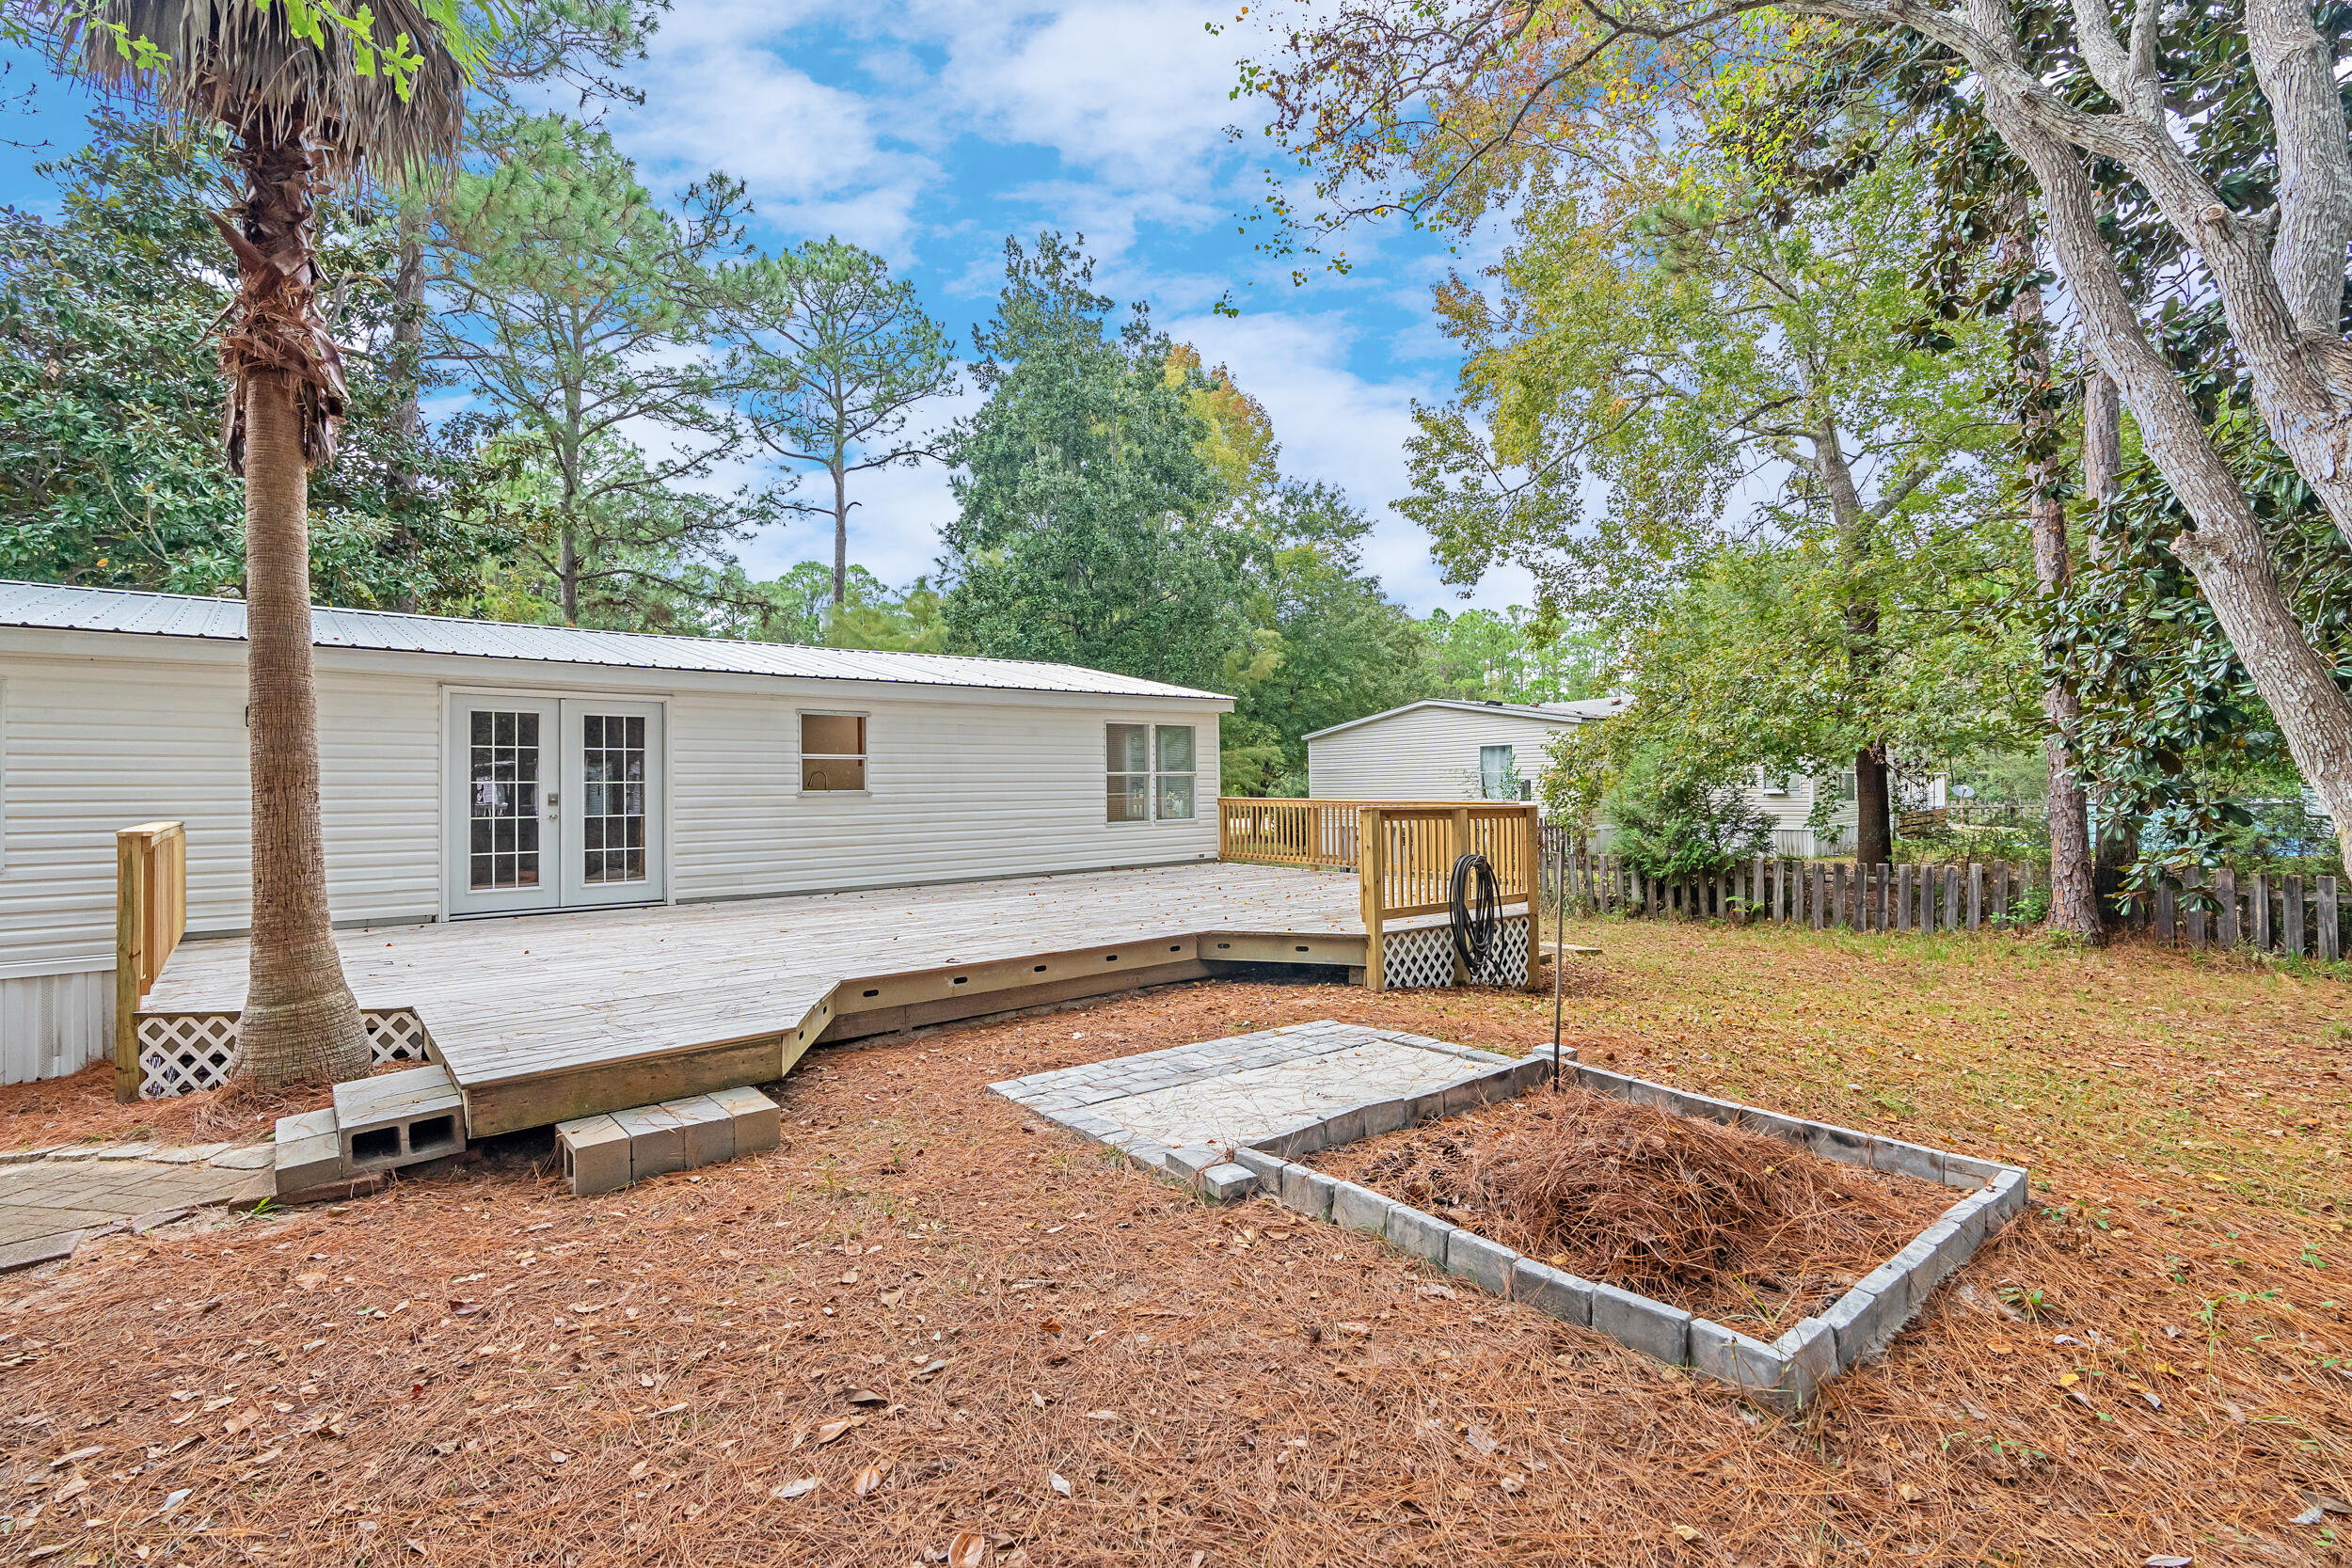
308,96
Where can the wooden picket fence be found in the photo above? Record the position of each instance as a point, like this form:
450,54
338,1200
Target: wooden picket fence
2217,909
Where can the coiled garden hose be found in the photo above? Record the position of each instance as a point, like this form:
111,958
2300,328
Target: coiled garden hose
1477,913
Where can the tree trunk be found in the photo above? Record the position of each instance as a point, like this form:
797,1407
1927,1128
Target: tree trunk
407,347
2074,882
1874,823
300,1023
2224,549
2116,845
840,533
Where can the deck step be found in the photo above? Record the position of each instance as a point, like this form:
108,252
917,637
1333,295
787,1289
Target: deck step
376,1124
603,1153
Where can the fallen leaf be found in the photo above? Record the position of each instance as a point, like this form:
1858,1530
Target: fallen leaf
1435,1291
1102,1415
2168,1562
1050,1326
1687,1532
833,1430
557,1456
871,1478
866,1395
1513,1486
1909,1493
850,1279
637,1471
1062,1487
800,1488
892,1298
969,1549
73,1488
2067,1380
933,1370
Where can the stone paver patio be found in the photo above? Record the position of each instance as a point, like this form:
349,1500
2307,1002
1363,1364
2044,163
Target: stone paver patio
48,1194
1227,1093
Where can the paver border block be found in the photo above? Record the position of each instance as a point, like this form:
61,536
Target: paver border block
1355,1208
1488,1266
1660,1332
1552,1292
1227,1182
1730,1357
1306,1191
1424,1235
37,1250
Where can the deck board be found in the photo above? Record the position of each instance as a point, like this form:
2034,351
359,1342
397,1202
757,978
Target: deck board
518,997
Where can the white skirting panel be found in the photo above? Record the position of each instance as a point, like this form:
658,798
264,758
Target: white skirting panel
55,1024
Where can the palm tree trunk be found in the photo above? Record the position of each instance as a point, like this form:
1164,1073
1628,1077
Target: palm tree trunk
300,1022
286,393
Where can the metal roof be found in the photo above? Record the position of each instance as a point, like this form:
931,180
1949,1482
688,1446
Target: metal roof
1582,710
109,609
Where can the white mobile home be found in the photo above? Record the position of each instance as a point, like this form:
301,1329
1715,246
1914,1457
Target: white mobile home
1450,750
1444,748
476,767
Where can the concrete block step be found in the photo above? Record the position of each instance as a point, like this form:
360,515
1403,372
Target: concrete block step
603,1153
375,1125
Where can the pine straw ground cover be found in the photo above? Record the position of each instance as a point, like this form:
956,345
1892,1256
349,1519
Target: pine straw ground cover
477,1369
1727,1223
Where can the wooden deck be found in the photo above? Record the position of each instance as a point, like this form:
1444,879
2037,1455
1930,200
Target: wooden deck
541,1018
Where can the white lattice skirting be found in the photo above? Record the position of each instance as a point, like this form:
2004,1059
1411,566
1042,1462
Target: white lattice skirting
1423,957
184,1053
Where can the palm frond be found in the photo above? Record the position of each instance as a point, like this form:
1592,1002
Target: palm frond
380,90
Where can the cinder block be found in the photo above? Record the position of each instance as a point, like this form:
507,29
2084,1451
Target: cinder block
1360,1207
656,1145
1422,1234
595,1154
708,1130
1550,1292
1657,1330
1486,1265
1728,1356
309,1124
1226,1183
311,1161
759,1123
1305,1192
398,1119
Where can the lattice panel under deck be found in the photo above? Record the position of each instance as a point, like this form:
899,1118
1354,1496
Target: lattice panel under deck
1423,957
186,1052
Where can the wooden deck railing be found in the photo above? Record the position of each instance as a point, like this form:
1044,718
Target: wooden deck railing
1317,833
151,916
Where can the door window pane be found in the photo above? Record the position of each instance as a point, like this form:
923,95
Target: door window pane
502,835
612,813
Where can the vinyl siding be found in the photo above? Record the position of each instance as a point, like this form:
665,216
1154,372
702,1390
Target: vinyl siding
1427,753
100,731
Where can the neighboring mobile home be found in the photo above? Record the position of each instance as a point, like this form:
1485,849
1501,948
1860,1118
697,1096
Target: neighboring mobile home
475,767
1446,749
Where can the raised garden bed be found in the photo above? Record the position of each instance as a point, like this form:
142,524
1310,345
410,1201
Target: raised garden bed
1722,1222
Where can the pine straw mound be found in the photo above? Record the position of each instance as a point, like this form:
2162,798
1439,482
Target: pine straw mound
1711,1218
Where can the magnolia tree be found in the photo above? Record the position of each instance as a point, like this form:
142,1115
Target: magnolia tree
1436,110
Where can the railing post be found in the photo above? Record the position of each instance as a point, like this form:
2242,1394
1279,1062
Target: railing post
130,900
1371,856
1531,853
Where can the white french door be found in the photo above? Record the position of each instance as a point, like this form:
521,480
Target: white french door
553,803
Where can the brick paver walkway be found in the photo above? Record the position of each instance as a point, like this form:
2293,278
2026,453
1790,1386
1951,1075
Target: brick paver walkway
47,1193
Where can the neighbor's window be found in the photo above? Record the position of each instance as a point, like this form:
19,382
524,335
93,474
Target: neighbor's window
1148,772
1498,773
833,751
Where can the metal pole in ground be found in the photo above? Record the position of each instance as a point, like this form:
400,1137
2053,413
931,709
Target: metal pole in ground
1559,955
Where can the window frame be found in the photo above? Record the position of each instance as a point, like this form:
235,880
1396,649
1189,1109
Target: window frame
1151,774
802,754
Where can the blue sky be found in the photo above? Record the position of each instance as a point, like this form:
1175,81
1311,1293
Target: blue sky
929,130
